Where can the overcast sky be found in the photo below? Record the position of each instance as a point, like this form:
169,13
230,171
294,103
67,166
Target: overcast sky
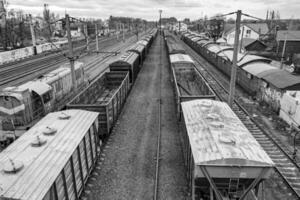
148,9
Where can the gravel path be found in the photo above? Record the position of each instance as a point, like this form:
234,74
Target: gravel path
127,166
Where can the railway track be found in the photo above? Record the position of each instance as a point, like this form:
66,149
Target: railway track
285,166
158,149
42,65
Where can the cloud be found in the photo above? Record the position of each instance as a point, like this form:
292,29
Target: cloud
148,9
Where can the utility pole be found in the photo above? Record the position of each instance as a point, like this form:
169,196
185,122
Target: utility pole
123,32
87,37
96,32
117,28
137,32
160,11
32,34
71,53
283,50
234,59
241,44
3,24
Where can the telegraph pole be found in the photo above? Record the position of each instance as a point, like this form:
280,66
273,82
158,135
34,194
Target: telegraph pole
96,32
3,24
123,33
234,59
160,11
71,53
32,34
283,50
87,37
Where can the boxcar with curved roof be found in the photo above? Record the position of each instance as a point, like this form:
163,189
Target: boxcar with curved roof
222,156
53,159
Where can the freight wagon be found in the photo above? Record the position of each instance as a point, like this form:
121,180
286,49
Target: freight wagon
188,82
106,95
139,49
223,159
130,62
52,160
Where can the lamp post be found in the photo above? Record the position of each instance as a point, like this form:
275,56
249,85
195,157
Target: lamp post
160,11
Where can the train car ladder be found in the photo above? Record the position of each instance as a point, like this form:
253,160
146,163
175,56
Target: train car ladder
233,186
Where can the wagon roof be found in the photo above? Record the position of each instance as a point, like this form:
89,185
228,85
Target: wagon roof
180,58
244,59
218,137
42,165
136,48
203,41
217,48
143,42
127,58
258,68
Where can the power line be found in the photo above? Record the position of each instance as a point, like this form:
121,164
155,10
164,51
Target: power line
247,15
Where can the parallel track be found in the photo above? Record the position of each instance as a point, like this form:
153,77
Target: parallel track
41,65
156,182
286,167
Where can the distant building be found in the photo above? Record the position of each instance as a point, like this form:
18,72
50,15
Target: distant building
250,44
180,26
292,46
250,30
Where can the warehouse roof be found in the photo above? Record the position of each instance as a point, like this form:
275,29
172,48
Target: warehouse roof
218,137
282,79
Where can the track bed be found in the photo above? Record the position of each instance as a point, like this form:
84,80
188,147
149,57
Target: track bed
127,170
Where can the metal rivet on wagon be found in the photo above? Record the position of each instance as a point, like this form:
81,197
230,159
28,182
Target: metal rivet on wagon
38,141
12,167
49,131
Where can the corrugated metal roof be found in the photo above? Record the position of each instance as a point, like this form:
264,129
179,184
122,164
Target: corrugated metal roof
257,68
282,79
242,58
195,39
252,58
201,42
217,48
218,137
128,57
43,163
208,43
180,58
136,48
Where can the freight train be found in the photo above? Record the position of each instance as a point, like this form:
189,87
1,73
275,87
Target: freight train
220,154
257,75
55,157
22,106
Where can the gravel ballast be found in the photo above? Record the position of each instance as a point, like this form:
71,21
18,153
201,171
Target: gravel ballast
126,168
